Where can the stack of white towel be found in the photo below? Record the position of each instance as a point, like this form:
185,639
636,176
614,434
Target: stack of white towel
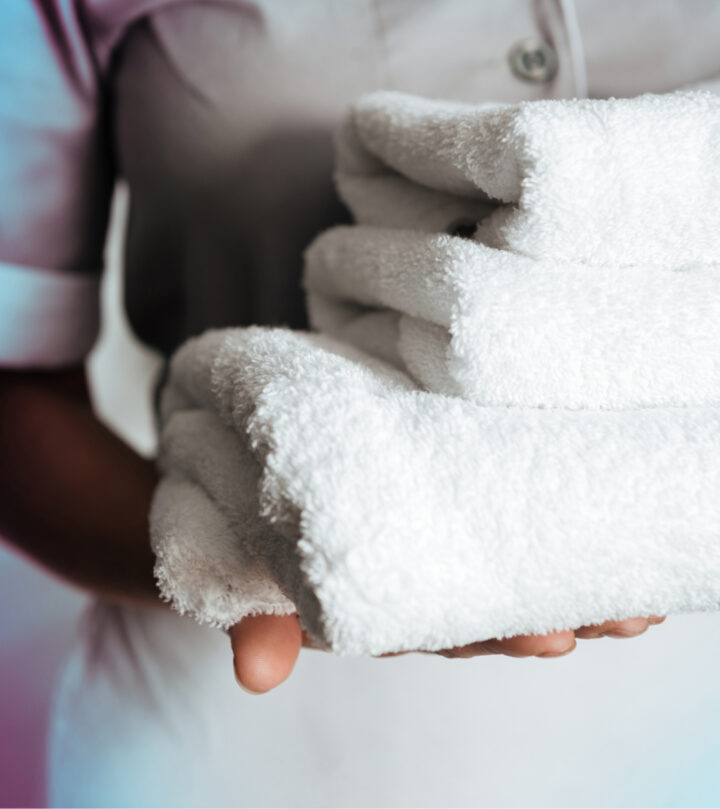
510,421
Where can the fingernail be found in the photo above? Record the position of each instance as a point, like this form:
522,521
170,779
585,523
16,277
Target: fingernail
246,689
620,633
559,654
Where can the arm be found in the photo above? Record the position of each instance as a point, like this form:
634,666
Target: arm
73,496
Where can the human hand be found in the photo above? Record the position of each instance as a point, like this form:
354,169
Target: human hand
265,647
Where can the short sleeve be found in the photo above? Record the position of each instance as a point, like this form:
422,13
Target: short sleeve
55,184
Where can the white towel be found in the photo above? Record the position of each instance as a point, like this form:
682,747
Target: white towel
397,519
205,564
304,473
612,181
502,329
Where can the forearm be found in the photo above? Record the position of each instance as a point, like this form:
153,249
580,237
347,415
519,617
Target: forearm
73,496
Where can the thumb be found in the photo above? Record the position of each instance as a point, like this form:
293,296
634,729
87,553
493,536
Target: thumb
265,648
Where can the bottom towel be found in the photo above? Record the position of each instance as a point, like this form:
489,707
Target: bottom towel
302,474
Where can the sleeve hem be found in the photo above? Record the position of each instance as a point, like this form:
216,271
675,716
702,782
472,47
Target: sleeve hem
48,319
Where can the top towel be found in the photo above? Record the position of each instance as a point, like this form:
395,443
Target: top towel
616,181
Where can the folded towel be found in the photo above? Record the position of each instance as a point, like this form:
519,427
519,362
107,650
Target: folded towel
303,472
396,519
502,329
617,181
204,566
206,563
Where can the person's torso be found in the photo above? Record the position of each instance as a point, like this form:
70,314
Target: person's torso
222,115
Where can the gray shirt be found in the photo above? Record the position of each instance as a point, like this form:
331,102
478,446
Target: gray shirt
219,115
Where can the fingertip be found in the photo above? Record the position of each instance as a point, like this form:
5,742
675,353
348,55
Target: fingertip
265,649
553,644
629,628
241,683
556,644
559,644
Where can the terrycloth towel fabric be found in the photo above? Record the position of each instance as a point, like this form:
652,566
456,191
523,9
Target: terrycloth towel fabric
502,329
591,285
599,181
396,519
563,464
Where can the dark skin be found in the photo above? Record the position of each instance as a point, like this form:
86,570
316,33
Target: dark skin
75,499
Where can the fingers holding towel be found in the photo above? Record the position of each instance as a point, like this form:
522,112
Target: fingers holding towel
427,522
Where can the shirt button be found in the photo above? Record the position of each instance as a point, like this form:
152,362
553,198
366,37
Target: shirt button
533,60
